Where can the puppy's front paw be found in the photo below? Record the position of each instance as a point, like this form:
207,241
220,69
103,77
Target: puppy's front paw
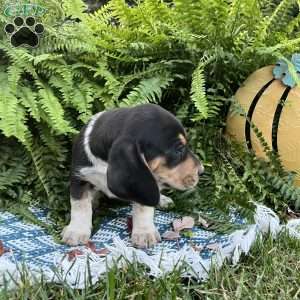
165,202
145,237
74,235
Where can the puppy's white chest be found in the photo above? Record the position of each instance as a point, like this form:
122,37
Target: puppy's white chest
97,175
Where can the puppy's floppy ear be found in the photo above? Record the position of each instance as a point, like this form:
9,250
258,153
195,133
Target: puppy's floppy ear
128,176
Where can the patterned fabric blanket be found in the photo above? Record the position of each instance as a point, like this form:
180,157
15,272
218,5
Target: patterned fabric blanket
32,248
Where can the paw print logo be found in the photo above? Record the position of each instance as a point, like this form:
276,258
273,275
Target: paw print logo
24,32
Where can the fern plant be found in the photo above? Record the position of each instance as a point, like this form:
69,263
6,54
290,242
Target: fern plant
189,56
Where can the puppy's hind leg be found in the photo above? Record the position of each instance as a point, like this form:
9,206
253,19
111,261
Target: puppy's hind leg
79,229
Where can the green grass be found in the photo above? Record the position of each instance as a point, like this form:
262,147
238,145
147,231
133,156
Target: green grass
271,271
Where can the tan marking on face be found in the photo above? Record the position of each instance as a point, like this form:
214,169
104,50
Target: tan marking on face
155,163
182,139
181,177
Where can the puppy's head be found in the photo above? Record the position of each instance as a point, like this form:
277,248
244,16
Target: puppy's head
176,166
152,154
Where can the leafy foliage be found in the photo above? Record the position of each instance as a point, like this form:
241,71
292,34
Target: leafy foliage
189,55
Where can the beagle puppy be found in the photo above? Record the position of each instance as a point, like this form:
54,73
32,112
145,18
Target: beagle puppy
130,154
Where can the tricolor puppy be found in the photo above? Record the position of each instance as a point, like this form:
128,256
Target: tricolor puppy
131,154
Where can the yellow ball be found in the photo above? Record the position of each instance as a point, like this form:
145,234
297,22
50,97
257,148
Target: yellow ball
275,109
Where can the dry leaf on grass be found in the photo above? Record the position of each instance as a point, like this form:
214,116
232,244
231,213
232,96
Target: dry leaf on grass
91,246
171,235
183,223
100,252
3,249
179,225
73,253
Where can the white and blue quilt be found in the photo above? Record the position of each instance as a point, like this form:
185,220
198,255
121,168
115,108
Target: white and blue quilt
32,247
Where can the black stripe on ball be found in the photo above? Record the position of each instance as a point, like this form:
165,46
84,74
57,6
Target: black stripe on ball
251,111
276,118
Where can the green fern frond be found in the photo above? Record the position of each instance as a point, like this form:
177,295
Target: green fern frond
74,8
28,99
148,90
198,94
13,171
37,153
291,46
12,116
53,109
277,20
233,14
12,175
82,101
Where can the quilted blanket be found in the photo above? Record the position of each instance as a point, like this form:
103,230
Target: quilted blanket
29,247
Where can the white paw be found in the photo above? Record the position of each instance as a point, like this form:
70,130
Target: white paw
74,235
145,238
165,202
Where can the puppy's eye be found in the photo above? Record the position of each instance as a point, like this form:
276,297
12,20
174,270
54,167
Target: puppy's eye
176,155
180,151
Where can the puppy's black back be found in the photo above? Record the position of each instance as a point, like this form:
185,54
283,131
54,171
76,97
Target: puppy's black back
149,124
